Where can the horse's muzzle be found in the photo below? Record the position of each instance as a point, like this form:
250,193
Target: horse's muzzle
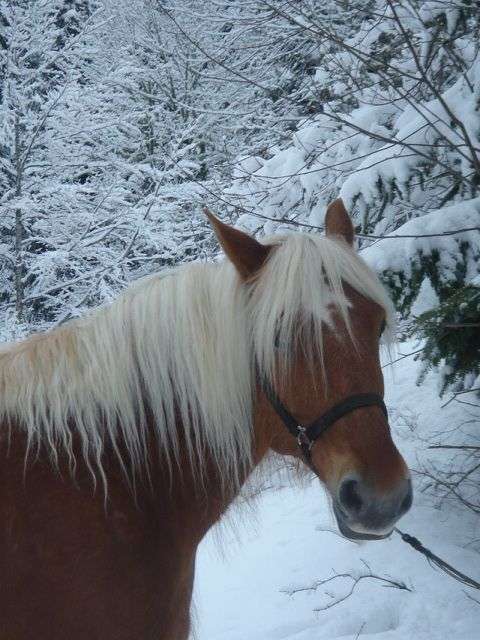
363,515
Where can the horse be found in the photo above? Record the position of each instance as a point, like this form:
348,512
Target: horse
126,434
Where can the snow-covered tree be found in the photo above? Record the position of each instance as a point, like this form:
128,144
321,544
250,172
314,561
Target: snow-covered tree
396,135
90,198
121,118
38,78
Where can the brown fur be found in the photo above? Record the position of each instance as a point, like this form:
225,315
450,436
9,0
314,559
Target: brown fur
338,222
244,251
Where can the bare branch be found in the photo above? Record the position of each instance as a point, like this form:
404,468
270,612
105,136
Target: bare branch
354,582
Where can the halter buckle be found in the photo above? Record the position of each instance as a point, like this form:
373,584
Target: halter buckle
303,440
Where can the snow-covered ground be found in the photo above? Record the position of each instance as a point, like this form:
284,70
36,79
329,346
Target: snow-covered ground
242,589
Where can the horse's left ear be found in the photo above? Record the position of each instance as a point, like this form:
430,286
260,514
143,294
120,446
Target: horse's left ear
245,252
338,222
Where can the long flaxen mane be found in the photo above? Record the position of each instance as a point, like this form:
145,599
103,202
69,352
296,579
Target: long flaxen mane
185,344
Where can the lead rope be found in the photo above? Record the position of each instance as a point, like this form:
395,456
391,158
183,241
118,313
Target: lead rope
436,561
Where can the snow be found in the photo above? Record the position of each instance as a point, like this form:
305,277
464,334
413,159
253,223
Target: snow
292,542
395,254
426,299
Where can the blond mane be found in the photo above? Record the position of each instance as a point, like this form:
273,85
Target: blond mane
183,344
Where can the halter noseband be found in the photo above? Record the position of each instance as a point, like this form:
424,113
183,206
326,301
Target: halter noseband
307,435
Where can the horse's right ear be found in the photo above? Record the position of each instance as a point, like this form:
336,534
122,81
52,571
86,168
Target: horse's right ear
247,254
338,222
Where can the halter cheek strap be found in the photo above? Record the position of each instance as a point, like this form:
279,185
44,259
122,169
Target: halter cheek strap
307,435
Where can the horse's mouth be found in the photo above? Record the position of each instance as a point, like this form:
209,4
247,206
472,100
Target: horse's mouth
355,535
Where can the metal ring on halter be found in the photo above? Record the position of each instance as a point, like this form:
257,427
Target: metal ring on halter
302,438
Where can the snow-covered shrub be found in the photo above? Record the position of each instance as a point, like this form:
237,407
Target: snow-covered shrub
452,339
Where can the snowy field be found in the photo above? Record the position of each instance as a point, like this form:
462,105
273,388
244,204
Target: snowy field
243,588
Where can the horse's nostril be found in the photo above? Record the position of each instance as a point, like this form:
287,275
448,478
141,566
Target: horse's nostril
349,496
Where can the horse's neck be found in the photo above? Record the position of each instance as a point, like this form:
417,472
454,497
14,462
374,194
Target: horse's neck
200,498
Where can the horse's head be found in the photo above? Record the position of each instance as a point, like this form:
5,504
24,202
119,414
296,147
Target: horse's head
323,326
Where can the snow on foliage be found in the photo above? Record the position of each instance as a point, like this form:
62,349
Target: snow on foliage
396,134
113,137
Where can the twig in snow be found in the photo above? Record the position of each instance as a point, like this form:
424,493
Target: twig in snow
355,580
360,631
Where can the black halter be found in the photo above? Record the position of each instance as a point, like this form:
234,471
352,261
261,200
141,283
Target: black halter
307,435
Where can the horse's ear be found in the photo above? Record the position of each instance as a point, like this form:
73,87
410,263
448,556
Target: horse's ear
245,252
338,222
